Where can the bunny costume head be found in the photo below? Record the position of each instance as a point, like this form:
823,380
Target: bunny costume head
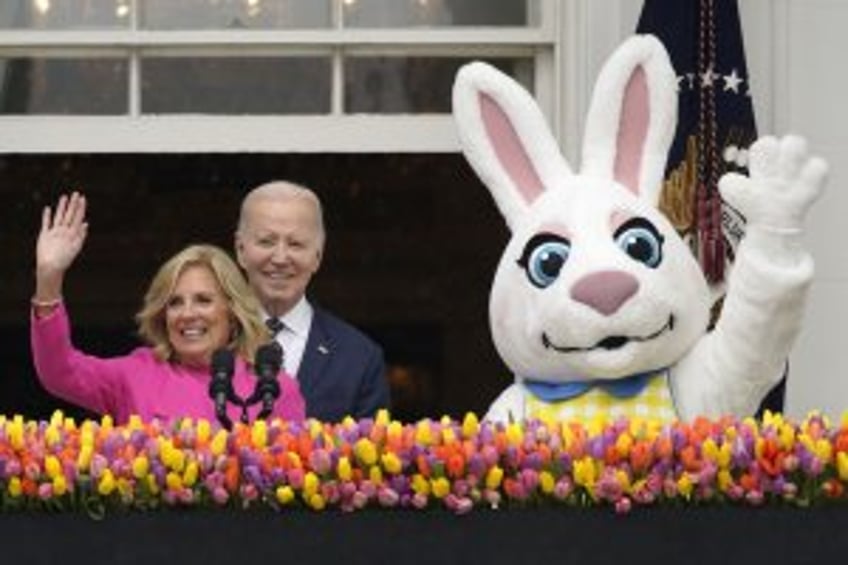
595,287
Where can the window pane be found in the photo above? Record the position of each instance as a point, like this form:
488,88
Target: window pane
63,86
236,85
397,85
234,14
430,13
64,14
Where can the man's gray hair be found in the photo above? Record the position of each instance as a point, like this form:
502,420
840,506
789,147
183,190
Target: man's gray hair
282,190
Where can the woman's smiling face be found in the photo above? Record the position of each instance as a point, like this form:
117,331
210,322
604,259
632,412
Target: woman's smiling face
197,317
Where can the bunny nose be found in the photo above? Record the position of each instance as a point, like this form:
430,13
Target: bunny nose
605,291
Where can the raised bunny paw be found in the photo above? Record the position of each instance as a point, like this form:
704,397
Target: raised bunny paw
784,181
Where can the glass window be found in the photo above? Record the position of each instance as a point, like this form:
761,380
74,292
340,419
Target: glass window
234,14
436,13
64,14
235,85
393,85
33,85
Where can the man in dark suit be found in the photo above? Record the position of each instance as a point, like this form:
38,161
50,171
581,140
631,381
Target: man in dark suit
279,244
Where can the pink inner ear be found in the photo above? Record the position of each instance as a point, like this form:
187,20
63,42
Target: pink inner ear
510,150
632,131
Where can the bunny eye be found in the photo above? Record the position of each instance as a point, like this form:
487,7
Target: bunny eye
641,241
543,258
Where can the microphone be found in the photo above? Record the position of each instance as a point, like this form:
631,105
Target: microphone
221,384
269,360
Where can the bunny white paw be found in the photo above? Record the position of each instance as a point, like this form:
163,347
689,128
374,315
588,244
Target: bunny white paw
784,181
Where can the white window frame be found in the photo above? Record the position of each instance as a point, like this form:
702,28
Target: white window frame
334,132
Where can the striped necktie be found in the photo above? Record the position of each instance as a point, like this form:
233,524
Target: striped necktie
275,325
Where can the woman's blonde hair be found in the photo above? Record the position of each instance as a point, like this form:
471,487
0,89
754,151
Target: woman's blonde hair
248,331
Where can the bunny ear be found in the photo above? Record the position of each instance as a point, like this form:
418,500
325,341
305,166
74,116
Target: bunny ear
632,118
505,138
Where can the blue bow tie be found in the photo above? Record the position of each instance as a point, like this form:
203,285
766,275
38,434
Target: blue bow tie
627,387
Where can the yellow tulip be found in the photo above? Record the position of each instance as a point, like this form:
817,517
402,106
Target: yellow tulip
317,502
395,431
69,425
152,485
311,483
440,487
84,457
786,438
219,443
423,435
514,434
52,466
842,465
56,418
295,460
124,487
285,494
204,430
494,477
824,450
709,450
448,436
343,469
140,466
107,422
15,433
391,463
470,425
107,483
375,475
546,482
259,434
725,455
725,480
173,481
585,473
135,423
382,418
568,437
366,451
60,485
685,485
623,445
315,428
191,473
420,485
15,488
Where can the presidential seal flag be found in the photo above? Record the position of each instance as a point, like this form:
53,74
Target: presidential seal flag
715,121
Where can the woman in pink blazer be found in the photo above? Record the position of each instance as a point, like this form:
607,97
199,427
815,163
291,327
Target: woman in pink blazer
198,303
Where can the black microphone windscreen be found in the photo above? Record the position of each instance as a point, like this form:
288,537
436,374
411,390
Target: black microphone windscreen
223,362
269,355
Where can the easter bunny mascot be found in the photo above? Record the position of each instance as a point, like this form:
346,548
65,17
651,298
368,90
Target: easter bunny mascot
597,305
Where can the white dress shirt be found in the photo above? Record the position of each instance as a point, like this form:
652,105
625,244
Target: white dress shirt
294,334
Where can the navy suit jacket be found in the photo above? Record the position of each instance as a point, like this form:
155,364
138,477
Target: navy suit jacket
342,371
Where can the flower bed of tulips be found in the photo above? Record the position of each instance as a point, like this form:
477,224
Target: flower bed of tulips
459,465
